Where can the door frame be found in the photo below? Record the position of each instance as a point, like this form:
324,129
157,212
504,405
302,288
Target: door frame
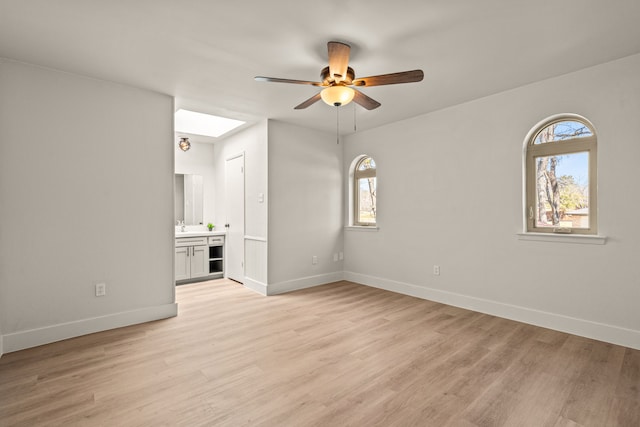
227,208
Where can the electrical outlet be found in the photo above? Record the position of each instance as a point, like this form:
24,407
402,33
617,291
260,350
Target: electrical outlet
101,289
314,260
436,270
341,256
335,257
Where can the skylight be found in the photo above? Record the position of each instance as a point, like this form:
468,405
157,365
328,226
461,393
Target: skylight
204,124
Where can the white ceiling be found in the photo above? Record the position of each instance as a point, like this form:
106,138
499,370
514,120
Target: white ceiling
206,52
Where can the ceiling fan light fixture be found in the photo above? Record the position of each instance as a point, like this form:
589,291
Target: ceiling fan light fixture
337,95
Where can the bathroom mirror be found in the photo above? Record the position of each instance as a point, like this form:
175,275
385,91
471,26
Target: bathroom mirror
188,198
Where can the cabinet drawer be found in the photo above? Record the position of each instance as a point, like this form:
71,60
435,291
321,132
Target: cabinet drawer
191,241
216,241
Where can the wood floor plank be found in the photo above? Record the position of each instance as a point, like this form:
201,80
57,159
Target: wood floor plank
335,355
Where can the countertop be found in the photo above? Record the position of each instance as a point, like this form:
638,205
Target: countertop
180,234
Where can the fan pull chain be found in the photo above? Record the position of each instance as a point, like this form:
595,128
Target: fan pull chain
355,127
337,124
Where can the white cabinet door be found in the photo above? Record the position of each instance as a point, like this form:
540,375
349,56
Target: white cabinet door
199,261
183,263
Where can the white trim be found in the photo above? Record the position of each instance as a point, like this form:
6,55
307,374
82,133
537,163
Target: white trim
585,328
350,184
255,286
304,282
361,228
255,239
48,334
563,238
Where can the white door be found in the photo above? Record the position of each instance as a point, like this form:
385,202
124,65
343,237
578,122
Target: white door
234,256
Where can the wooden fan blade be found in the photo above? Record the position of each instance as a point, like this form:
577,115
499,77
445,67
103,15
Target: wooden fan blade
338,60
363,100
277,80
391,79
315,98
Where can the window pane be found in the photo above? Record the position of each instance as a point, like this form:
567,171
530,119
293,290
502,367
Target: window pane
562,188
561,131
367,163
367,200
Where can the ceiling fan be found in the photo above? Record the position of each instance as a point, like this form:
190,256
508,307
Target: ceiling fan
338,78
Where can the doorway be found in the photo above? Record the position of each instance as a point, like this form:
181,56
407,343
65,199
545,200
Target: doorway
234,186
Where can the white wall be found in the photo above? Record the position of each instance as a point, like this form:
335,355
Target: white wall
199,160
253,143
450,193
305,207
86,184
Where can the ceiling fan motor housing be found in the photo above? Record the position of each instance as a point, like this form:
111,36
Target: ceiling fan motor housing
329,80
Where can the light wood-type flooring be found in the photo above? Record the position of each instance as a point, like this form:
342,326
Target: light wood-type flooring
335,355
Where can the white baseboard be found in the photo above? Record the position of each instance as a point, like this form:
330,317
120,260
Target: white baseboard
585,328
304,282
48,334
255,286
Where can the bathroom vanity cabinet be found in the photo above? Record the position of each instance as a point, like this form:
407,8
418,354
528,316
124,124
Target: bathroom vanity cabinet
199,257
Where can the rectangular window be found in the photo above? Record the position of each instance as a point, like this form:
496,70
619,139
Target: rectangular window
562,189
367,201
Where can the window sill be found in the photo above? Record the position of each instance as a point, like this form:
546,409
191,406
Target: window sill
361,228
563,238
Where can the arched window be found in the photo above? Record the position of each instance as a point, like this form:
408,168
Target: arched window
561,176
364,191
